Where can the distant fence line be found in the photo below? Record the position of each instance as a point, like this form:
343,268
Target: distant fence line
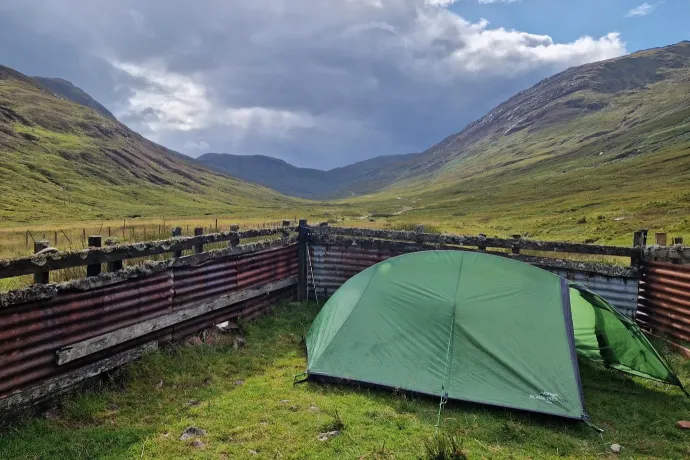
57,236
53,336
46,258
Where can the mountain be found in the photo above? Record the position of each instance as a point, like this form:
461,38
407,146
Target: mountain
591,153
355,179
63,161
70,92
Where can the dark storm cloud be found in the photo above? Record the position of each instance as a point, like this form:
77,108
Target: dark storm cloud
319,83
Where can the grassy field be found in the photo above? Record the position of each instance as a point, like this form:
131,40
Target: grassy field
246,402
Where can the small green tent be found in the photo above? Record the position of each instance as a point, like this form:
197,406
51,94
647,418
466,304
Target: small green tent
475,327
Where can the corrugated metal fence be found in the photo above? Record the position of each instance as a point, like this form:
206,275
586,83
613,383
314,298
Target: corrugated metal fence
333,265
664,299
620,291
52,336
31,333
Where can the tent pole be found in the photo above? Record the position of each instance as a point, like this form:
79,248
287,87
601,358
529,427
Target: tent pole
313,281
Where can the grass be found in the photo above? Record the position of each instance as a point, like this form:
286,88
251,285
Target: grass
250,409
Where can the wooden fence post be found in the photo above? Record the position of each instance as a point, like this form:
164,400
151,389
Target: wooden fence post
516,247
95,241
481,248
41,277
302,285
661,239
177,231
198,248
236,240
56,239
639,241
115,265
285,235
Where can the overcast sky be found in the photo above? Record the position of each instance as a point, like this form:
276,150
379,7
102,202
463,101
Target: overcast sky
318,83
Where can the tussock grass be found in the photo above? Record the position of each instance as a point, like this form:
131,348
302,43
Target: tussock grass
250,409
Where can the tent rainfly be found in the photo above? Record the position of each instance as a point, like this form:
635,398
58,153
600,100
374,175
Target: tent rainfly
475,327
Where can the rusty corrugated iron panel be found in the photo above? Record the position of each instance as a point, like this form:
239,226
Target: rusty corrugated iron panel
664,299
31,333
333,265
207,281
203,282
248,309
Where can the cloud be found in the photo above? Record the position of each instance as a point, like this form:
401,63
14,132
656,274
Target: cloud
642,10
440,2
487,2
319,83
197,145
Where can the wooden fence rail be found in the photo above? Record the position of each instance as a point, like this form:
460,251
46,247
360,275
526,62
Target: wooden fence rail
483,242
46,259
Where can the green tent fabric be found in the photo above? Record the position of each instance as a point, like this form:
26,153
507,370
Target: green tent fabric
474,327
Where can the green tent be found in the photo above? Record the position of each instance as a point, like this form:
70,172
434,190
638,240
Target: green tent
475,327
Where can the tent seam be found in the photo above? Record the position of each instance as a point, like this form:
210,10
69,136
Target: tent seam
446,373
570,329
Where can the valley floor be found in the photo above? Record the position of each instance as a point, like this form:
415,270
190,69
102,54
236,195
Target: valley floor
246,402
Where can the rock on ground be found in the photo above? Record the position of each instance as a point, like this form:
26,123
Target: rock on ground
328,435
192,432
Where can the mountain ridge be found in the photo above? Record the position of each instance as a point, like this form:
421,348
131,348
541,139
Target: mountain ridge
608,140
68,90
354,179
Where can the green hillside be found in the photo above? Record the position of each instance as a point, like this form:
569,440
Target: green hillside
590,154
61,161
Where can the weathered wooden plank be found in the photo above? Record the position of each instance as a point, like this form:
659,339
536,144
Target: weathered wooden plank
47,261
515,244
59,384
545,262
673,254
101,342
